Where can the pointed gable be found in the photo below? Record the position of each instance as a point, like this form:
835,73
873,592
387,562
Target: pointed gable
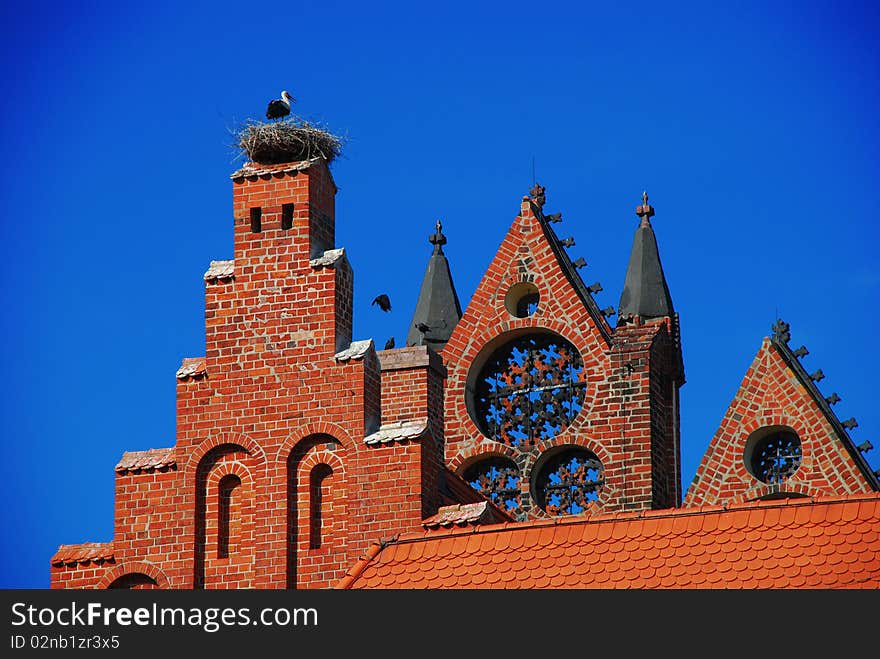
779,438
531,261
530,289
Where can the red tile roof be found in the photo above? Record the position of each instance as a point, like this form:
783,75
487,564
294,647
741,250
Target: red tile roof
791,543
95,552
155,458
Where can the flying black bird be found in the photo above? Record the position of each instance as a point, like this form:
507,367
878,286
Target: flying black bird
383,302
389,343
423,327
280,107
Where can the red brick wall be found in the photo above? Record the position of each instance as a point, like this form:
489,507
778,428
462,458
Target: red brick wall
148,521
413,390
79,575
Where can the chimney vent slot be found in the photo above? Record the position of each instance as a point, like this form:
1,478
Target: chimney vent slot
287,216
256,220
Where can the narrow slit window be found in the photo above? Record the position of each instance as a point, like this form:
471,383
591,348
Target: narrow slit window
286,216
319,489
226,513
256,220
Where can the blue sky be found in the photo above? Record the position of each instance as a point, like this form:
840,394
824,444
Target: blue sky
752,125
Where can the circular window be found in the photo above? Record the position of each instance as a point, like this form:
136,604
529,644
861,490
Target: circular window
568,481
529,389
498,479
774,455
522,300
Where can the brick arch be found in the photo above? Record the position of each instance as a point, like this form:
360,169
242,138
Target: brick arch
761,490
766,419
223,439
239,456
313,429
752,487
224,469
308,565
486,449
314,458
134,567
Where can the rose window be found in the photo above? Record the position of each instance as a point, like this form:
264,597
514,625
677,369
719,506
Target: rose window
529,389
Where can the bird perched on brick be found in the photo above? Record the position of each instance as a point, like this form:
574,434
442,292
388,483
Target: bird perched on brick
280,107
383,302
389,344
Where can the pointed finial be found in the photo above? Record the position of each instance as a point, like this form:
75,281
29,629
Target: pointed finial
781,331
645,211
537,195
438,239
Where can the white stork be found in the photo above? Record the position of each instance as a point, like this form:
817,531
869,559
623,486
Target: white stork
280,107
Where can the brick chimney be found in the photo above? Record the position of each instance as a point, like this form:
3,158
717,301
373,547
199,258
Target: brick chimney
288,291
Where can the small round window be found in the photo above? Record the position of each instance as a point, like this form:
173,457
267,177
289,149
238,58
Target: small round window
522,300
774,454
498,479
568,481
529,389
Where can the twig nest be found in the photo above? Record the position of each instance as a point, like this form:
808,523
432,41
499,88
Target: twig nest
290,140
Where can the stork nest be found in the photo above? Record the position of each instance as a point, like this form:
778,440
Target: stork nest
290,140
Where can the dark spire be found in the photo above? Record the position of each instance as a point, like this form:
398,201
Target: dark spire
645,292
437,310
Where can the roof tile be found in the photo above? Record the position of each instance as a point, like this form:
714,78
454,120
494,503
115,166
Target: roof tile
328,258
258,169
192,367
220,270
849,513
356,350
517,537
868,509
155,458
86,552
461,514
756,517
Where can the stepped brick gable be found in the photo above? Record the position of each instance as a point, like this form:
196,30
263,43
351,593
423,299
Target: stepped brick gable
527,442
